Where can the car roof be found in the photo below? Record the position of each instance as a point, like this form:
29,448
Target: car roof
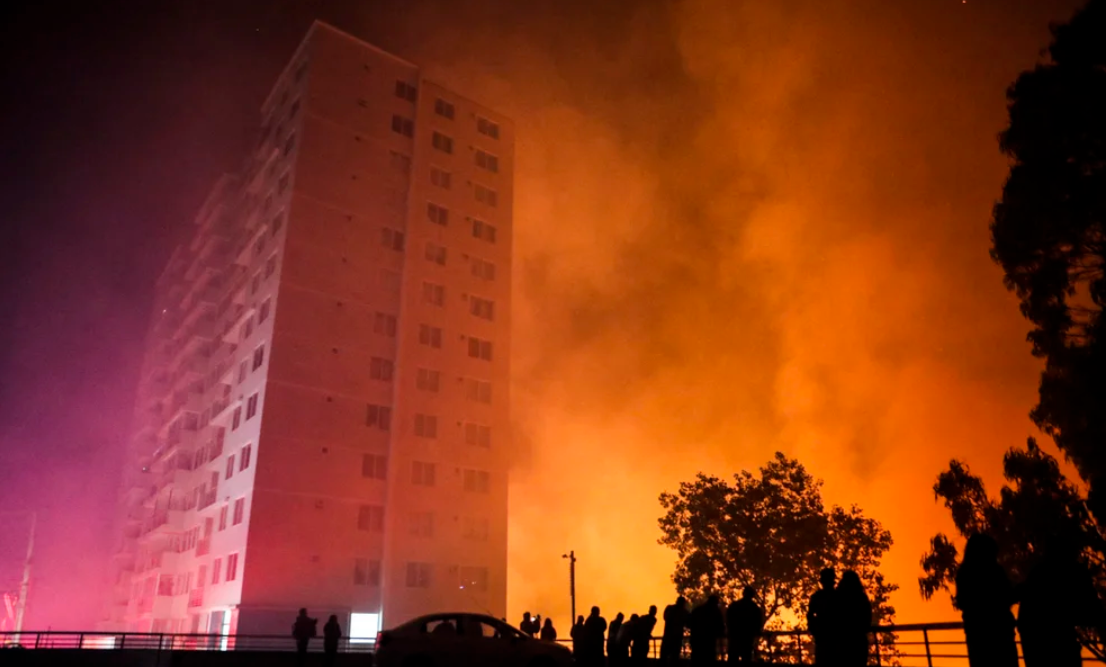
445,615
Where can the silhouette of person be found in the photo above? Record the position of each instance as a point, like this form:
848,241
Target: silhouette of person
852,621
819,619
984,596
612,639
595,627
642,635
744,623
303,629
578,642
444,628
332,634
672,637
626,638
707,625
548,632
1057,596
527,625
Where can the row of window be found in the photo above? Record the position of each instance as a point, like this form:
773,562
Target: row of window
395,239
404,126
366,572
426,426
370,518
445,109
251,411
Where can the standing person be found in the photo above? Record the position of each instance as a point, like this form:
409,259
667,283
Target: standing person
594,630
1057,596
819,619
672,637
577,635
548,632
625,638
332,634
984,596
642,635
527,625
852,620
706,625
612,639
303,629
744,623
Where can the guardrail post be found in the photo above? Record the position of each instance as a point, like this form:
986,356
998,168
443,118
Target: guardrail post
929,656
122,641
80,640
38,637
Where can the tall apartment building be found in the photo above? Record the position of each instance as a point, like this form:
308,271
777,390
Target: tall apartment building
323,413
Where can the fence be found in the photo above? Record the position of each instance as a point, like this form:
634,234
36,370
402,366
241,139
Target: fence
913,645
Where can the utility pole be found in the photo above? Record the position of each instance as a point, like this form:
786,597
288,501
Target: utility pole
571,556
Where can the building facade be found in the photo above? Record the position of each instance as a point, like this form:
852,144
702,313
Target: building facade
323,413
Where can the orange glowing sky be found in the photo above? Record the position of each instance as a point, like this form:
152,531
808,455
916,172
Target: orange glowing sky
765,230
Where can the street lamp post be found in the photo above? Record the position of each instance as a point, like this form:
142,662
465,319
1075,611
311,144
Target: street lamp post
571,556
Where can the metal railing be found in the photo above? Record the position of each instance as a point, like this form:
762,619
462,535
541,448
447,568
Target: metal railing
909,645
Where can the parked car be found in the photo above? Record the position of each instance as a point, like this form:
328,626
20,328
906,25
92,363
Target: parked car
464,640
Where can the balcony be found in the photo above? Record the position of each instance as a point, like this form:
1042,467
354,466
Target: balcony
196,598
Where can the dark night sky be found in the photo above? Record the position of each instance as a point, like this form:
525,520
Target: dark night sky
117,117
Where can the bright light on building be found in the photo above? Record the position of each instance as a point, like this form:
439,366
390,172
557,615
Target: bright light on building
363,628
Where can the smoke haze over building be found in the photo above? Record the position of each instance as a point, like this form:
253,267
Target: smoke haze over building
740,227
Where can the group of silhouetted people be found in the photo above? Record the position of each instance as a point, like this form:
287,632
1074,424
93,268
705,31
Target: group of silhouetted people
624,641
533,627
305,628
1056,597
839,619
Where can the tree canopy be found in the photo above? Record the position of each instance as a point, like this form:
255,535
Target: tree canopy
1049,235
770,531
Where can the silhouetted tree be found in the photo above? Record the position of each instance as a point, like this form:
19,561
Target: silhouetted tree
772,532
1049,234
1039,507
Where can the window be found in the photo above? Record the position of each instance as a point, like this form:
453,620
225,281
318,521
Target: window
475,528
442,142
404,126
270,266
223,512
482,308
485,195
422,473
251,406
236,419
381,369
483,269
247,329
201,576
480,349
483,231
258,357
435,253
255,284
366,572
391,238
477,481
478,391
439,215
370,518
426,426
433,293
478,435
243,368
374,466
428,380
430,336
400,162
379,416
230,467
421,524
440,178
384,324
487,161
406,91
443,108
487,128
244,457
282,184
239,511
290,144
216,570
418,575
474,578
278,222
263,312
232,567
